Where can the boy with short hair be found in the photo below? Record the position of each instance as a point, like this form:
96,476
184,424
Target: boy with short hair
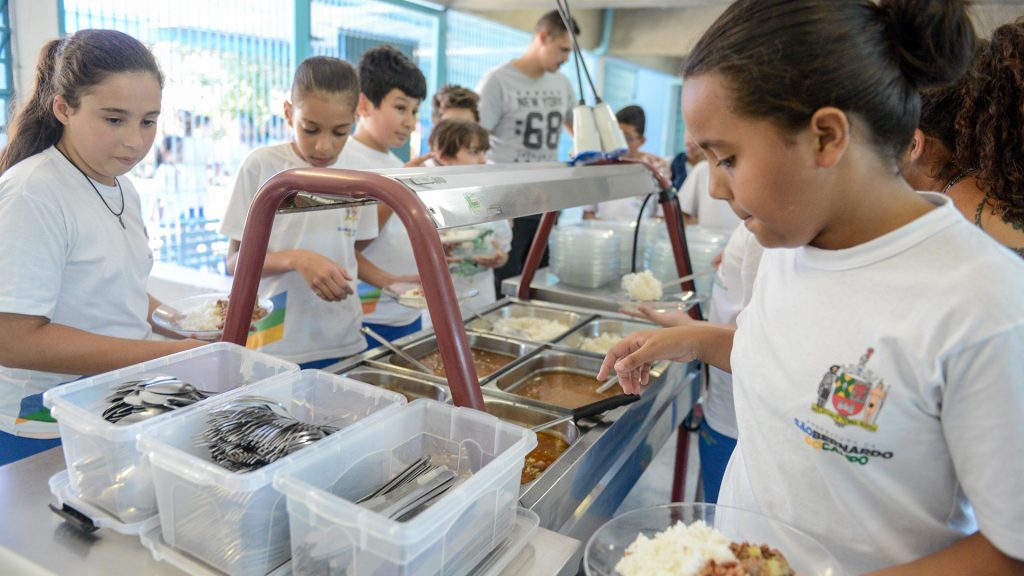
392,89
524,103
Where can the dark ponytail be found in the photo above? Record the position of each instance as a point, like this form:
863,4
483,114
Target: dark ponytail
785,59
68,68
325,74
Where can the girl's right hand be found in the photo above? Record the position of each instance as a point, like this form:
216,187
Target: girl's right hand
324,277
634,355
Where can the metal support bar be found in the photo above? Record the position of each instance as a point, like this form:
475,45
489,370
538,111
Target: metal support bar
682,455
426,248
537,248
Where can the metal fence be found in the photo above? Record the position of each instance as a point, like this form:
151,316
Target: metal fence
228,66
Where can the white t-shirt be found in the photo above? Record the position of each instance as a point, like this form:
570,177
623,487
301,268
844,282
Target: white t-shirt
66,258
879,393
732,290
524,115
302,327
391,251
695,200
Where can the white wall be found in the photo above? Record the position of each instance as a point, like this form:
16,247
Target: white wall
33,23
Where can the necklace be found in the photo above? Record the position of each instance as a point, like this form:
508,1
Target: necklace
957,178
117,214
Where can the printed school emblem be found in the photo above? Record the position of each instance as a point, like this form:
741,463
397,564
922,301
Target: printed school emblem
852,394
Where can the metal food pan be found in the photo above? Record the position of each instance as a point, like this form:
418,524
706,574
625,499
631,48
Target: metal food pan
528,417
407,386
517,310
600,327
496,344
548,361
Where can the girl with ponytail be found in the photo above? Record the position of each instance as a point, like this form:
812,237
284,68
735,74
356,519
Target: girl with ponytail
76,256
879,404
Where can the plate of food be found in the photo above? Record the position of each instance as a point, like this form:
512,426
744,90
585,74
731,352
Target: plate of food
643,288
411,295
693,539
469,242
202,317
459,235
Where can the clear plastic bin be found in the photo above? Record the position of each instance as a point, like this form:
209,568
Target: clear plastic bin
105,468
235,521
331,534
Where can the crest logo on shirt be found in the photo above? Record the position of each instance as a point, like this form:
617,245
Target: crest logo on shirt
852,394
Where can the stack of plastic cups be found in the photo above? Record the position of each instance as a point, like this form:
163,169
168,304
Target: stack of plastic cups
703,244
585,257
624,232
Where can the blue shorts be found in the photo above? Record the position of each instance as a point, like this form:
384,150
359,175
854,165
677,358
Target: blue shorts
715,451
318,364
391,333
14,448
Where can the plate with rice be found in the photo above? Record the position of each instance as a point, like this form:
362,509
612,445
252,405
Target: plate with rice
411,295
644,289
202,317
695,539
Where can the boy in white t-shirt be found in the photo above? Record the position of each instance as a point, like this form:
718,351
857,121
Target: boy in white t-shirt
732,290
462,143
311,261
392,89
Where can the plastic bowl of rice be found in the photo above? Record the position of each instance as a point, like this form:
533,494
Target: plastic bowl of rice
202,317
695,539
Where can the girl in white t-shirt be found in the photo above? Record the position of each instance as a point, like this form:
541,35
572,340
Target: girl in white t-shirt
311,261
76,258
877,369
461,143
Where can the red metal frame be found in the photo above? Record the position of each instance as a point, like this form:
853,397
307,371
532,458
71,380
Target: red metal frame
677,237
426,247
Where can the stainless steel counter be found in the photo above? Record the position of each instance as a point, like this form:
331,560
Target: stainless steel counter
582,489
546,287
36,534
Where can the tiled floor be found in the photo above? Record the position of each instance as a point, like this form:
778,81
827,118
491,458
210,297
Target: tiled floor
655,485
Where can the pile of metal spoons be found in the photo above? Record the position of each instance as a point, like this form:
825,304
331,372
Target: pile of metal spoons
252,432
137,400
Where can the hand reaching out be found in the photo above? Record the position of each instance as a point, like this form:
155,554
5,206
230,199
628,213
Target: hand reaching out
328,280
633,357
496,260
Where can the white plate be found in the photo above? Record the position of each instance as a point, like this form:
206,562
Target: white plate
171,315
675,301
402,293
455,235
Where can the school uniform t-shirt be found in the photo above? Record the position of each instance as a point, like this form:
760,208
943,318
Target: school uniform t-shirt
879,393
391,251
66,258
524,115
303,327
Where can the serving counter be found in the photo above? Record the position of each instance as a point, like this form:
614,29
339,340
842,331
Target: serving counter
582,489
33,534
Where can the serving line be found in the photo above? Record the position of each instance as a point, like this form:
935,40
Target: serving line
581,490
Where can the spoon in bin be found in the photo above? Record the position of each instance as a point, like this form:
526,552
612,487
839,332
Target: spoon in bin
395,349
592,409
